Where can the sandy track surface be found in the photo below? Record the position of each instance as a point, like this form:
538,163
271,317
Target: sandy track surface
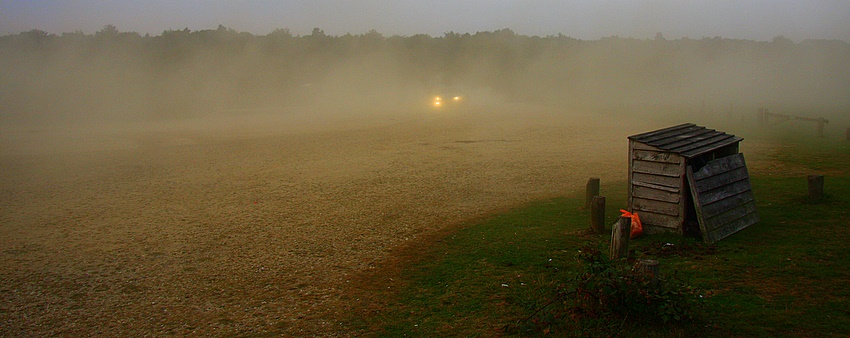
252,225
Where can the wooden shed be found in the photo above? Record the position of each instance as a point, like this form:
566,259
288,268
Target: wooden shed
690,180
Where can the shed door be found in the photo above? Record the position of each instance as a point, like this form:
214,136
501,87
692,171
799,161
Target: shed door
723,198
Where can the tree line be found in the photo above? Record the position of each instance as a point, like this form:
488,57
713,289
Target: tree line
182,72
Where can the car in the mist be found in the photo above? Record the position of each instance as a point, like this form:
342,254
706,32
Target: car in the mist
442,101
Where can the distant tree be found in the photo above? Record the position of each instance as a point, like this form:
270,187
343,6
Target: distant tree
372,39
452,35
782,40
74,34
281,33
108,32
36,34
34,39
373,34
239,68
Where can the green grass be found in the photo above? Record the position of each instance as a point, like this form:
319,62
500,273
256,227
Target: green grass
483,277
786,275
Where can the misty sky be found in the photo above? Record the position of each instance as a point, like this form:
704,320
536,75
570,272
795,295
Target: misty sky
589,19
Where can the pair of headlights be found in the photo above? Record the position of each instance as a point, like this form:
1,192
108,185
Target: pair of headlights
438,100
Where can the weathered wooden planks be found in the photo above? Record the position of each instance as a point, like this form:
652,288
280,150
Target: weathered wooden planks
666,181
656,195
654,223
656,156
712,145
723,197
620,232
661,194
688,140
658,207
656,186
656,168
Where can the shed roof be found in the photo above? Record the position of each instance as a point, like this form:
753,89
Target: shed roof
688,139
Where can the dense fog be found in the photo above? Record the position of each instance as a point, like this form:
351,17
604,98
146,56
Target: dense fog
220,183
123,76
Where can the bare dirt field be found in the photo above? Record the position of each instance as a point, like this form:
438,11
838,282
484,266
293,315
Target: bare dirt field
233,226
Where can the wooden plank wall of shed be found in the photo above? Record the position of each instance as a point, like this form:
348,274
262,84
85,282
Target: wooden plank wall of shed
656,187
724,198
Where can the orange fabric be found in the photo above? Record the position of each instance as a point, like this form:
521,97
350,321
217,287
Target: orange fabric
637,227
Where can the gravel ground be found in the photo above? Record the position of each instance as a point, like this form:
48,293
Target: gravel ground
256,225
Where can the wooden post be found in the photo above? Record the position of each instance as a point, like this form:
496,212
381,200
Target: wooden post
597,215
649,268
762,118
815,188
620,238
591,190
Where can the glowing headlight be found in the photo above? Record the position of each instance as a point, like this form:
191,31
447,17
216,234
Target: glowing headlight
456,98
438,101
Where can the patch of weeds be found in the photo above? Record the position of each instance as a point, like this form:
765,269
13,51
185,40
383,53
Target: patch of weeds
610,288
607,296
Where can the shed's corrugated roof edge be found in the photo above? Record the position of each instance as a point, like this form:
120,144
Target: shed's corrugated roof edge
687,139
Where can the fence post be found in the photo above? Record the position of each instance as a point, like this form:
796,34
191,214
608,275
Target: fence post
591,190
620,238
762,117
815,188
597,215
649,268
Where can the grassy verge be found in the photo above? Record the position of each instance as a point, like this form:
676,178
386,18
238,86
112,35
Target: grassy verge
786,275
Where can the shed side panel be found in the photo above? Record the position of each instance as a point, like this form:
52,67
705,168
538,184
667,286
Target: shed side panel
658,207
729,187
656,168
666,181
656,156
717,208
656,185
722,232
723,197
657,223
